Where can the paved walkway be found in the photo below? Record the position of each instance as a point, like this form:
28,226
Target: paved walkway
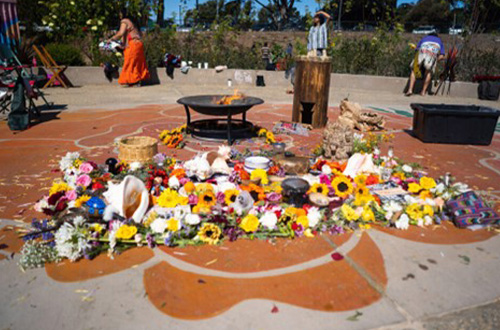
389,278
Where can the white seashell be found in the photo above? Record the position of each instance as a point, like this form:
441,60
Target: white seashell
319,199
220,166
224,152
130,197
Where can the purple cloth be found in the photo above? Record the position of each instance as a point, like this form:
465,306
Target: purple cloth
434,39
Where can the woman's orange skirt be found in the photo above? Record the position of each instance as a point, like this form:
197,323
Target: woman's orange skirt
134,68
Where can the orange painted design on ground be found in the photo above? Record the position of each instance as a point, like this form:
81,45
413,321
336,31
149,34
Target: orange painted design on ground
334,286
447,233
245,255
102,265
10,239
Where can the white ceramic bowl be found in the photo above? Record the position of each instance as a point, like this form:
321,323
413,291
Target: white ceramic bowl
256,162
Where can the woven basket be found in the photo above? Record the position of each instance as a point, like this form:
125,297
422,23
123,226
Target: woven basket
137,149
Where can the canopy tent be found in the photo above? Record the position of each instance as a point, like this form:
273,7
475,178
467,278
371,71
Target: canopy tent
9,27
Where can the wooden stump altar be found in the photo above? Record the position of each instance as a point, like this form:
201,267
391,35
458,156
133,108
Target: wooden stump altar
312,86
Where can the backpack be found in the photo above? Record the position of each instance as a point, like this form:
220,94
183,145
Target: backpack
19,118
488,90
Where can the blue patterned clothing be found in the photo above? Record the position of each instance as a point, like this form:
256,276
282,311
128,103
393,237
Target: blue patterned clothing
317,37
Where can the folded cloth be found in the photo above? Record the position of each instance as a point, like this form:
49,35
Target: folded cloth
469,209
113,46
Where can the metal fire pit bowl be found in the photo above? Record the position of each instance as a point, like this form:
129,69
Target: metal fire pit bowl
219,129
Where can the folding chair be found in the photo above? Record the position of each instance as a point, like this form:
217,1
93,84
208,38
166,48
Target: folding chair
50,64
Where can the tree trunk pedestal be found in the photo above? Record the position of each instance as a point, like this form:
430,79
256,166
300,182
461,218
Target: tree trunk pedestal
311,90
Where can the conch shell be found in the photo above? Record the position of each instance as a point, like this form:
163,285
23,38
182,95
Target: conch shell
129,198
360,163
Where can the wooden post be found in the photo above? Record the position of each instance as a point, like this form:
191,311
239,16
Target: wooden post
311,90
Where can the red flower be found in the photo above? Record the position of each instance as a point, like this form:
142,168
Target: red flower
295,226
372,179
97,186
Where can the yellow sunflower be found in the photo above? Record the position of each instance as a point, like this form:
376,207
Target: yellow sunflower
360,180
362,196
250,223
201,208
81,200
342,186
230,196
288,215
209,233
204,187
58,186
207,199
319,188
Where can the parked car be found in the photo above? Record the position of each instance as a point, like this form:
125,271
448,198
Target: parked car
456,30
426,29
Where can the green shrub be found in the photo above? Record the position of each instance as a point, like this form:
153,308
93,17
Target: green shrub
65,54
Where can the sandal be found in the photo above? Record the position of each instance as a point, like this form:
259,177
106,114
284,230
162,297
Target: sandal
408,94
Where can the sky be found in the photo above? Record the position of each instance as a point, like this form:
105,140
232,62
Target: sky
173,5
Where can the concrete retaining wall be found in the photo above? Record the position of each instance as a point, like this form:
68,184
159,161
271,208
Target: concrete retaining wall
94,76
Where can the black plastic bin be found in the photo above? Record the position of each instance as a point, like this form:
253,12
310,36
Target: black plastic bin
451,123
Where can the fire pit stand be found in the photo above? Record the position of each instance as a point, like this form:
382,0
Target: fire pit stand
219,129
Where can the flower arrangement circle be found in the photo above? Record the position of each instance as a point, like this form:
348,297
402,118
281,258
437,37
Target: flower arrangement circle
164,203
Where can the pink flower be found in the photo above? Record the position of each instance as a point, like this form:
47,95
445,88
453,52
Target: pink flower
220,197
323,178
86,167
183,181
192,199
83,180
71,195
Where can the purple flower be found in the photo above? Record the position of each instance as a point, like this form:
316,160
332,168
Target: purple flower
150,240
232,233
299,231
336,230
234,177
168,239
220,197
274,197
159,158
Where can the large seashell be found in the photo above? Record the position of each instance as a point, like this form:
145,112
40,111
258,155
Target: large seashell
130,198
318,199
220,166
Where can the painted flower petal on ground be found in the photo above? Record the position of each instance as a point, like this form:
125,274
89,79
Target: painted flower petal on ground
334,286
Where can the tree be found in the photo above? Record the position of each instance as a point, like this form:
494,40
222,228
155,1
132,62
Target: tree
74,18
280,12
430,12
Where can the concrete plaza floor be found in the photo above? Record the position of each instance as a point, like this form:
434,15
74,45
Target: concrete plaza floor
437,277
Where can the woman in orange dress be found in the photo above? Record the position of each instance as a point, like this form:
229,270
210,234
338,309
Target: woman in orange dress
134,69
